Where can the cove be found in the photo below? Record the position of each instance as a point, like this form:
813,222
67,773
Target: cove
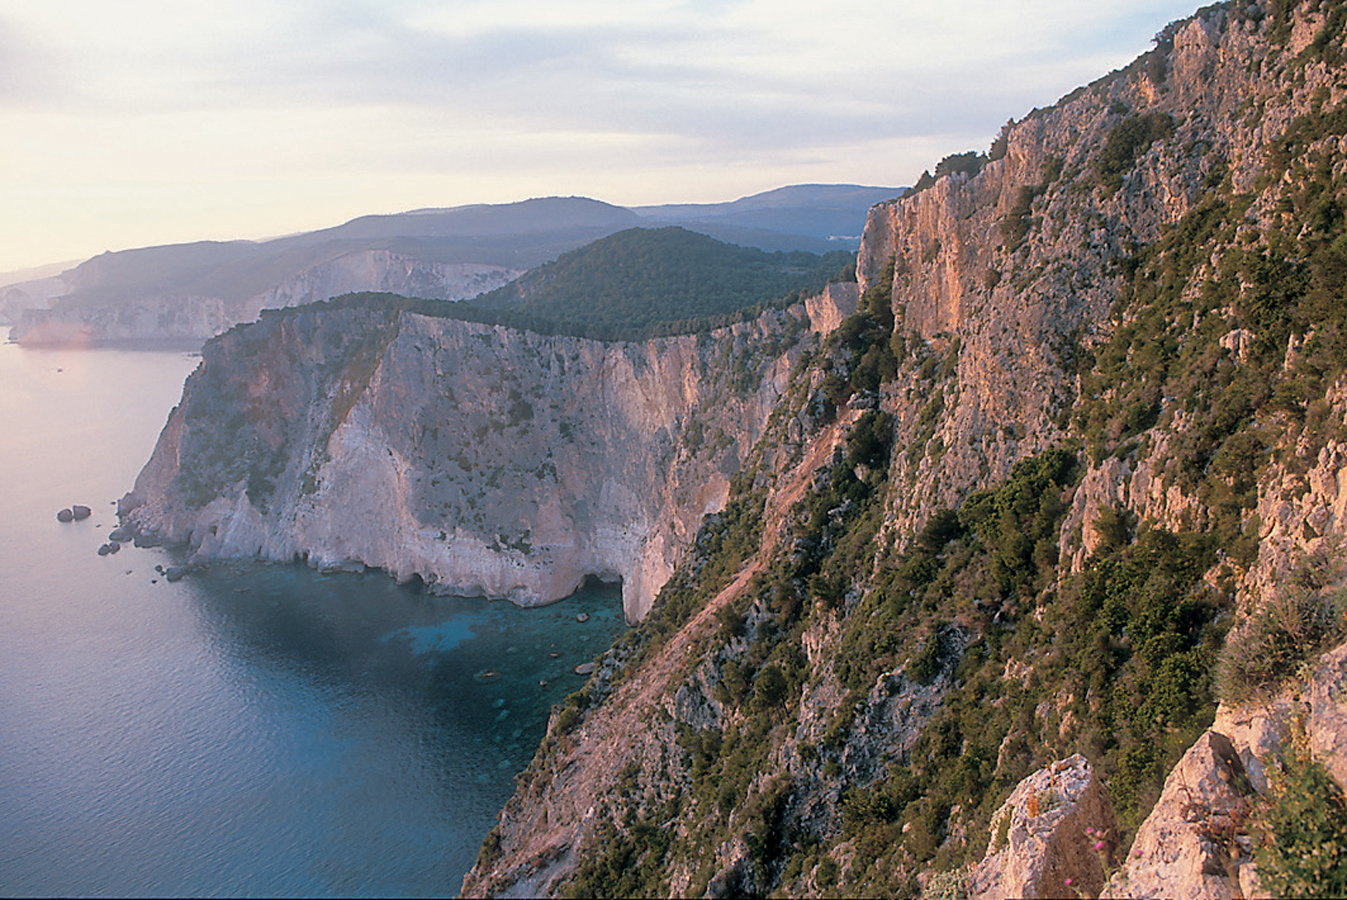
251,730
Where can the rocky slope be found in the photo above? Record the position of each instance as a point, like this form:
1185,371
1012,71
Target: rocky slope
1072,476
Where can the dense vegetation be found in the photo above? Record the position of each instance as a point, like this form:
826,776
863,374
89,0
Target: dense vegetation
644,281
1303,829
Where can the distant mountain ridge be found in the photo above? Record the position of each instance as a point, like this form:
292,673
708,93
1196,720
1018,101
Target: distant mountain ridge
196,290
826,212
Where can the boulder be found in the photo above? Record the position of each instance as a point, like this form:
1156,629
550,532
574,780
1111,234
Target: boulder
1044,836
175,573
1186,846
585,669
109,548
121,533
80,512
65,515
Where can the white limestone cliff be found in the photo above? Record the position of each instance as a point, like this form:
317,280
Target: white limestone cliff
481,459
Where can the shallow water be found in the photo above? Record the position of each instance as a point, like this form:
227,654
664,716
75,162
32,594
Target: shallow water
253,730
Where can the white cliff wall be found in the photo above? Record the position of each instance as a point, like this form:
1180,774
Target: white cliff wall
482,459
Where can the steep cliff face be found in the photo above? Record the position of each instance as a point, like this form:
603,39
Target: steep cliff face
481,459
1088,418
1022,262
152,316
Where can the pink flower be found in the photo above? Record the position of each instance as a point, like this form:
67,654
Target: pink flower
1068,882
1099,845
1089,829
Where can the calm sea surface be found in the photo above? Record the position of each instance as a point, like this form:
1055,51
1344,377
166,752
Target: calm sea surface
255,730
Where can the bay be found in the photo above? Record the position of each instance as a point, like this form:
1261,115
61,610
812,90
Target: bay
254,730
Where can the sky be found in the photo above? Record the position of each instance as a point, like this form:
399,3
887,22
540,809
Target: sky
141,122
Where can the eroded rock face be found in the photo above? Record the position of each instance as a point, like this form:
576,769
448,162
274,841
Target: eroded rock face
827,310
1017,299
1040,846
483,460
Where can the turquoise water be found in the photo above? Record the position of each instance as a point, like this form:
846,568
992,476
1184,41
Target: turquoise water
254,730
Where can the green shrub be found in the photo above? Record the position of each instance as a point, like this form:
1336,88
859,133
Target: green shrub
1303,852
567,719
1129,138
870,438
827,872
969,163
1297,624
770,688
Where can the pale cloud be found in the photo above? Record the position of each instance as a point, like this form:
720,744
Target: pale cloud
255,116
28,73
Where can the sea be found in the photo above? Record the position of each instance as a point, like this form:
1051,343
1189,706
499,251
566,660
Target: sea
253,729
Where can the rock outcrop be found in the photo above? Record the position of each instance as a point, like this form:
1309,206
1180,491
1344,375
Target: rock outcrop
1326,723
1044,837
1186,847
1198,839
827,310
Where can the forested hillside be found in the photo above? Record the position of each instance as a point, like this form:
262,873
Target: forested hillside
642,282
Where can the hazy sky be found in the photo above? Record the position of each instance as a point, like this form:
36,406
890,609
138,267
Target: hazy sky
139,122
